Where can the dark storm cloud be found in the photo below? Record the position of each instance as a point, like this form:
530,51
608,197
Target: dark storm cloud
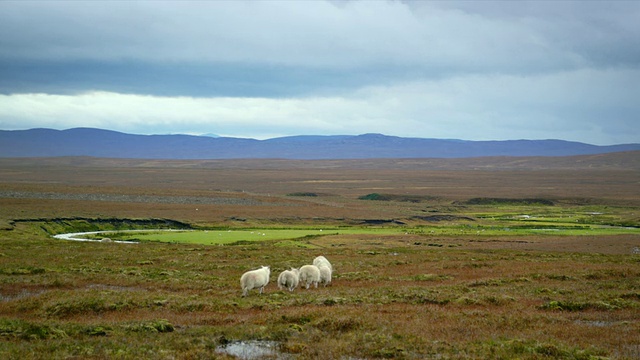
208,48
180,79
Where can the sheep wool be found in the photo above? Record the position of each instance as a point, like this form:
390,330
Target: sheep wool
309,274
288,279
321,260
325,275
255,279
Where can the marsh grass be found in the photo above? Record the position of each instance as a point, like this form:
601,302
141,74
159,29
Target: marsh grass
453,281
389,299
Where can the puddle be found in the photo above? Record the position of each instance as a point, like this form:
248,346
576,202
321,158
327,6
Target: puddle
251,350
596,323
23,294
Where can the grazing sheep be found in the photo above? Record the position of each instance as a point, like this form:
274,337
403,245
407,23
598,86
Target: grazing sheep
289,279
325,274
321,260
309,274
255,279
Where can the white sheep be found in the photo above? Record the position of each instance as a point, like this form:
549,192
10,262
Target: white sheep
309,274
325,274
289,279
321,260
255,279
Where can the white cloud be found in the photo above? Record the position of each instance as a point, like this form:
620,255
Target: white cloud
584,105
152,114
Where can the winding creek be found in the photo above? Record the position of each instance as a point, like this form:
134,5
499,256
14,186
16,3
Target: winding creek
82,236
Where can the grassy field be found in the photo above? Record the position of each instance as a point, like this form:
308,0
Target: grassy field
235,237
446,263
300,236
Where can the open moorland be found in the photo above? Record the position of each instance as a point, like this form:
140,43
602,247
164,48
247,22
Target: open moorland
531,258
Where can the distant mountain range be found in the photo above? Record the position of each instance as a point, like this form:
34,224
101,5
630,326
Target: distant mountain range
112,144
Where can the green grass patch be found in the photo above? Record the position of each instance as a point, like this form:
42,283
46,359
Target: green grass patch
521,230
229,237
20,329
613,304
534,349
550,216
297,237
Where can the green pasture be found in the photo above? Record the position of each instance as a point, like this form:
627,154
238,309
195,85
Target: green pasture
478,220
225,237
523,229
568,216
222,237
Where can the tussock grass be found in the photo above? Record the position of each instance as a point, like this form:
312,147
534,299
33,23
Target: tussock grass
434,278
389,299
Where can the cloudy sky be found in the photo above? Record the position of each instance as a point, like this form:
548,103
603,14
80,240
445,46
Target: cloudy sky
473,70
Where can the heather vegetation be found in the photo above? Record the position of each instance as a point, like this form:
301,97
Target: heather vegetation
442,277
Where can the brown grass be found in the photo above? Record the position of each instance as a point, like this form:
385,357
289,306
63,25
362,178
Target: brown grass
530,297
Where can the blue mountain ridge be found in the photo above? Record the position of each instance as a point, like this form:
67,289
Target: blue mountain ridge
112,144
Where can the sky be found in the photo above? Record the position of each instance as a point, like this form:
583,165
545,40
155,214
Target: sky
471,70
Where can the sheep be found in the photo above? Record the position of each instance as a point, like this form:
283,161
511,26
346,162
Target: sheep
255,279
289,279
310,274
325,274
321,260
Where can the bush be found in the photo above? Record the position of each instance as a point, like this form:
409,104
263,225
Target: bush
394,197
338,325
373,196
155,326
29,331
310,194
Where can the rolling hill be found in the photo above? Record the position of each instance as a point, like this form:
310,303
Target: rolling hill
112,144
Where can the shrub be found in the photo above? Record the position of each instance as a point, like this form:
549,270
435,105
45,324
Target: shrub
373,196
29,331
310,194
394,197
614,304
338,325
155,326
